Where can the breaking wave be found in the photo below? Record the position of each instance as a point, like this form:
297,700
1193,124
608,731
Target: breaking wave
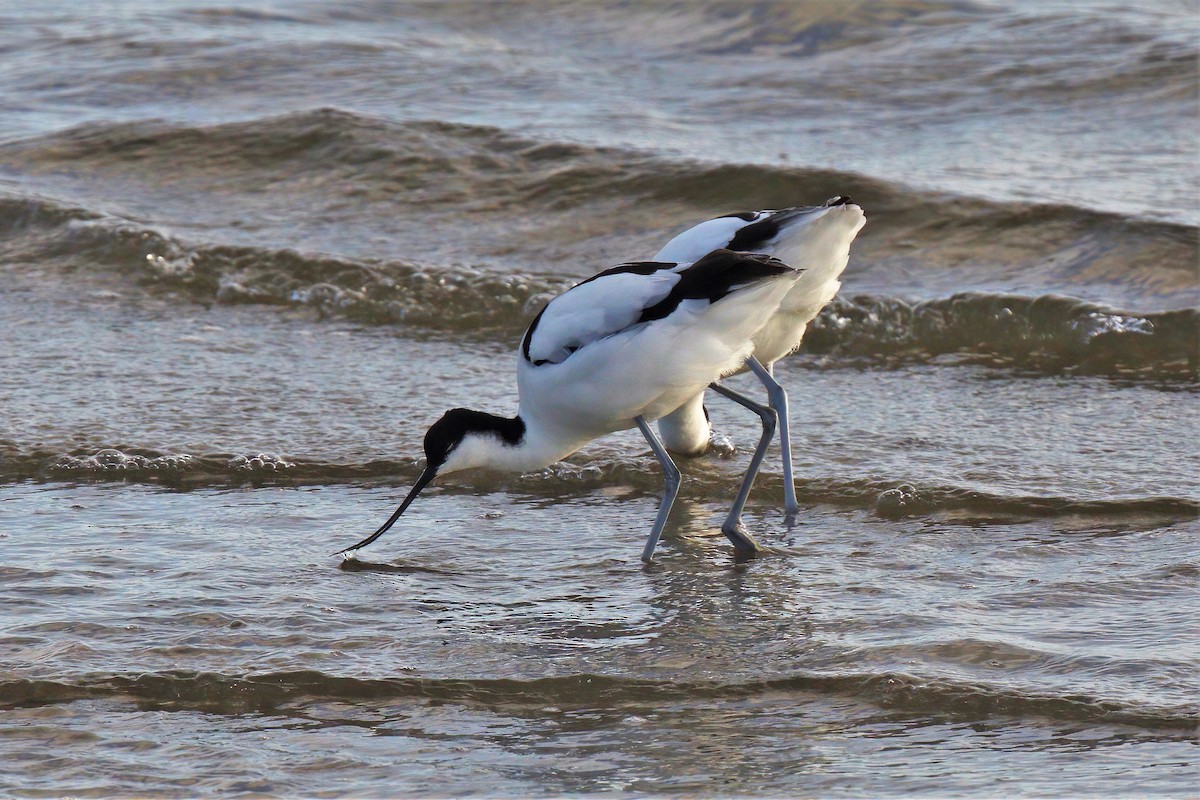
888,498
1050,333
272,692
562,202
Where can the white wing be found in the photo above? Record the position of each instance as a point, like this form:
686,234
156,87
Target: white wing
700,240
599,307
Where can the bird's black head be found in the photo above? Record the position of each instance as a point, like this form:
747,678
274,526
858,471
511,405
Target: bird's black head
443,441
445,435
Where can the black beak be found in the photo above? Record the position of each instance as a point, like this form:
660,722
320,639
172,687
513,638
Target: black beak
422,482
840,200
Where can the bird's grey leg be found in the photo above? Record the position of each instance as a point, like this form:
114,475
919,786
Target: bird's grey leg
777,397
733,527
670,488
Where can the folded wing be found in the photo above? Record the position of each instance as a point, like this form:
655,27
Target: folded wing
599,307
629,295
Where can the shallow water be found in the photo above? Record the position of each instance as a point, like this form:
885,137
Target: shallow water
248,254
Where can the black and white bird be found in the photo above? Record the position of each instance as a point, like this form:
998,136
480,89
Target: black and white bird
815,237
618,351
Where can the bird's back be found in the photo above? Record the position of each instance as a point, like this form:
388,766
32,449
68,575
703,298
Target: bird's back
640,339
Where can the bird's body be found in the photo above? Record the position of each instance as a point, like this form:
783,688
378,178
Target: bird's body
624,347
632,367
814,238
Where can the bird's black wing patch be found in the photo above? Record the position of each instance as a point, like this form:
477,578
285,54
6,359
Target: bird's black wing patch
636,267
757,235
745,216
713,277
529,332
